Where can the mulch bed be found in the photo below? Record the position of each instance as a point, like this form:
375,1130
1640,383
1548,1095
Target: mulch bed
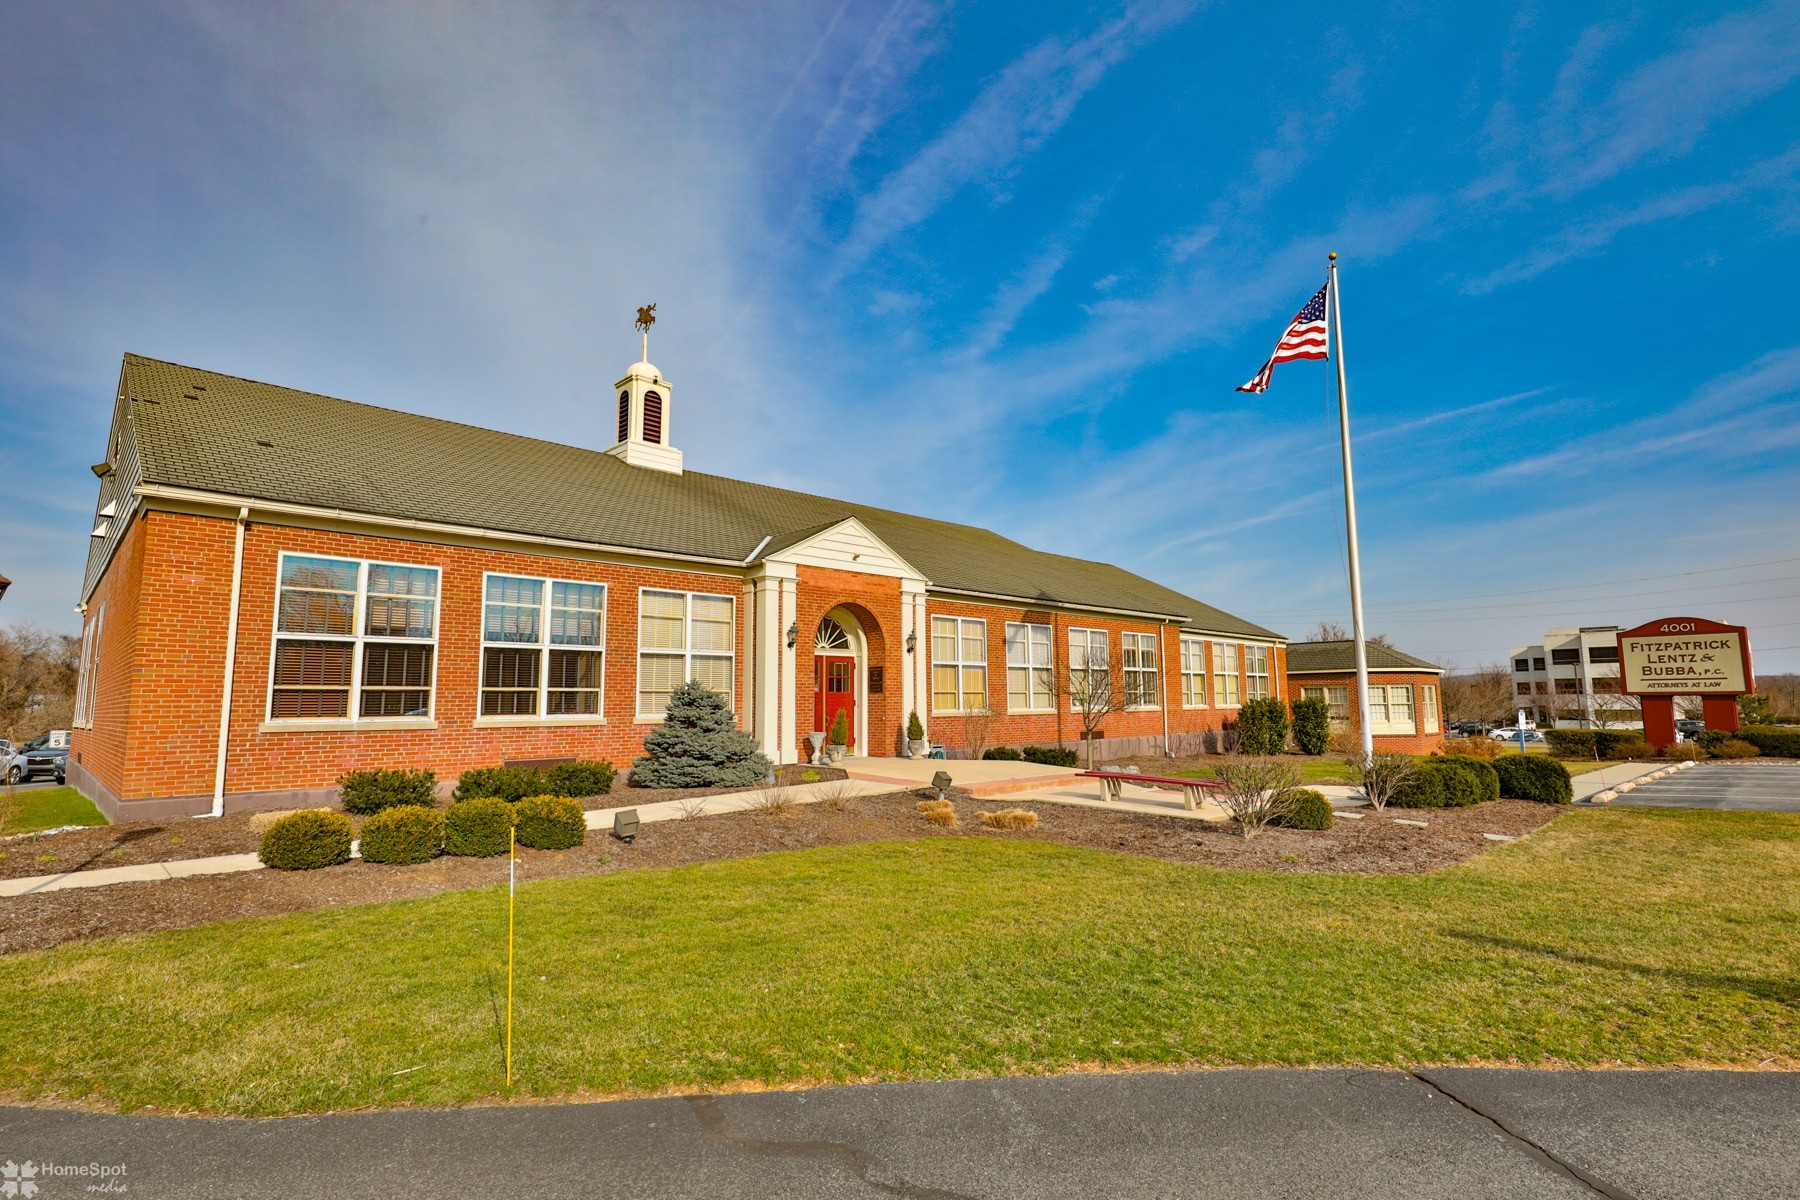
175,838
1375,844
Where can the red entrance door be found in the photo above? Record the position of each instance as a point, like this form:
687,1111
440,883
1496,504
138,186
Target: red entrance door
834,692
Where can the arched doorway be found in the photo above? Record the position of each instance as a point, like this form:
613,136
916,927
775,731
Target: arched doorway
840,656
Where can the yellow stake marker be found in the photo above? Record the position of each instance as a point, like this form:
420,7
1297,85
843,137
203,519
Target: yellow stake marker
512,839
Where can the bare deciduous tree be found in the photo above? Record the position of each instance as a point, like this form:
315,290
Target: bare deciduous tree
1331,631
978,727
1382,776
1484,694
1092,690
1257,790
37,681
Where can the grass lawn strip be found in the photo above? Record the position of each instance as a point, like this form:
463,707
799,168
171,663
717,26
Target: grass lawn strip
1636,937
36,809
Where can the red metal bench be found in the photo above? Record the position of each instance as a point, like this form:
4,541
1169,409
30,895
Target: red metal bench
1112,781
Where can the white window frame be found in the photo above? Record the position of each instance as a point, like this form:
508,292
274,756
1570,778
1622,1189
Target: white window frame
1429,721
1384,698
1077,666
357,640
1227,683
543,646
1193,672
960,663
89,673
1038,675
1132,642
1256,654
687,652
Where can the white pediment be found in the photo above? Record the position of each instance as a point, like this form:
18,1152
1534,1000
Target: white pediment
846,546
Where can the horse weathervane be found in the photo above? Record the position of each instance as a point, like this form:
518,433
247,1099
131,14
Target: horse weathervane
645,319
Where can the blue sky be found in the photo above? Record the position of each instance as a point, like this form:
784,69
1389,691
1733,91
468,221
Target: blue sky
997,263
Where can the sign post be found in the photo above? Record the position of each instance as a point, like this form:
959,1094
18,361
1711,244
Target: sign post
1685,656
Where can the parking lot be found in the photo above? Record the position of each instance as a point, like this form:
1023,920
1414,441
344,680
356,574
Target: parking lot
1745,787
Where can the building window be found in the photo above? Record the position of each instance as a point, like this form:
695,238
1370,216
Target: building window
1193,673
1521,664
1537,664
535,665
683,637
1524,689
1428,707
1568,687
1137,660
1391,709
1603,654
1566,658
1090,671
1028,668
353,637
88,676
958,664
1605,685
1225,674
1336,698
1256,672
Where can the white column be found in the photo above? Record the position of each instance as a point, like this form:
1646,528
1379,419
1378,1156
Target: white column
787,714
746,703
767,649
921,665
912,605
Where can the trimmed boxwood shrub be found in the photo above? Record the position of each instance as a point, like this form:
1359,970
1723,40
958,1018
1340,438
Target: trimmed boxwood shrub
1632,748
1311,810
550,822
403,835
304,841
1776,741
1736,748
1002,754
1262,726
476,828
1587,743
1710,740
1480,771
365,793
1442,783
1051,756
1534,777
1683,752
584,777
1312,725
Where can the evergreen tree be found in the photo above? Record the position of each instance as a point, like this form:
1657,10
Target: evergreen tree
699,745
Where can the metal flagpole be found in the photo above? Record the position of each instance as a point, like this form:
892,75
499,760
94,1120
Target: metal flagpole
1356,604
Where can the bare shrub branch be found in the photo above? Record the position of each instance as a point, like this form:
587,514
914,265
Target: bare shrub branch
1382,776
1257,790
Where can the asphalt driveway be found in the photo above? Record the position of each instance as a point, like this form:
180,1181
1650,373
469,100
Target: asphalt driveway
1746,787
1462,1134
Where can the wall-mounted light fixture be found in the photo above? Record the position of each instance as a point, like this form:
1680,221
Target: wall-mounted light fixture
912,640
793,636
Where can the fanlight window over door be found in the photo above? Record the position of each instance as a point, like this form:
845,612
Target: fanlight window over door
831,638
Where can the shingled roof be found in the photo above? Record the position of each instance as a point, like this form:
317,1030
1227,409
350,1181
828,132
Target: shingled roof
218,433
1306,658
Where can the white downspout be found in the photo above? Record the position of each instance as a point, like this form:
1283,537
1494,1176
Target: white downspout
1162,679
231,632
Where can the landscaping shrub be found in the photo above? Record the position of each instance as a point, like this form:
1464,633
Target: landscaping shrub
699,745
1484,748
1589,743
1439,783
1710,740
404,834
1010,818
581,778
550,822
1310,810
1002,754
476,828
1683,752
1534,777
1775,741
839,734
1636,749
1481,773
1262,726
1051,756
306,840
499,783
365,793
1736,748
1312,725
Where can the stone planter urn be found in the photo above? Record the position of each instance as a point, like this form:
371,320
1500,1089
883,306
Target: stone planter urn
834,754
917,748
817,740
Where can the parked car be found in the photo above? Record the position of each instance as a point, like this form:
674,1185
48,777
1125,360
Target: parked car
46,755
1512,735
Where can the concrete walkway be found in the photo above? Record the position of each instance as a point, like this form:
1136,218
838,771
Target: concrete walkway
1429,1134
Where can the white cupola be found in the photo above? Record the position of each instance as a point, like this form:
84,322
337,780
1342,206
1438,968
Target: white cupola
645,411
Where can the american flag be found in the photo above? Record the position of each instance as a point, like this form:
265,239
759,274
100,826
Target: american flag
1305,338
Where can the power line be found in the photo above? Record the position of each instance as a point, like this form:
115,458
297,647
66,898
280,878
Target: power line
1577,612
1395,610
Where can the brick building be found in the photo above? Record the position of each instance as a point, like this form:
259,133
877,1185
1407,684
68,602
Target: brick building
283,586
1405,702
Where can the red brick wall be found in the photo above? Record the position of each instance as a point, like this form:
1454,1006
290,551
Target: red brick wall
1419,743
101,750
875,602
186,591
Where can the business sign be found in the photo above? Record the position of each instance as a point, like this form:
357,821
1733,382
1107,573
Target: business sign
1685,656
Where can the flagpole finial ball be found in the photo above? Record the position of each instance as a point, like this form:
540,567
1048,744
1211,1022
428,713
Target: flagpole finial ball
1333,256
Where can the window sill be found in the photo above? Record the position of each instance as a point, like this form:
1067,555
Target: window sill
1031,712
1195,707
345,725
537,722
1142,708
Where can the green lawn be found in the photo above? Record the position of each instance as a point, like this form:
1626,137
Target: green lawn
46,808
1312,770
1631,936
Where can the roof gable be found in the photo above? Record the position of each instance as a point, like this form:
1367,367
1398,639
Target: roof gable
1304,658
